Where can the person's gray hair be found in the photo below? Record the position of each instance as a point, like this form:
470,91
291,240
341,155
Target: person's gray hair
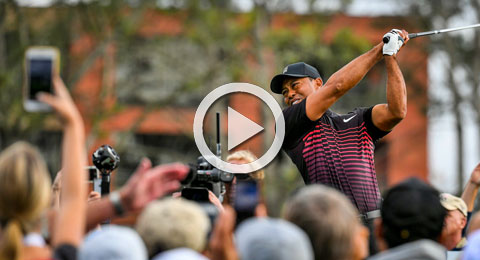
173,223
327,217
248,157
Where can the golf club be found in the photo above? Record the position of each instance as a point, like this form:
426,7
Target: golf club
420,34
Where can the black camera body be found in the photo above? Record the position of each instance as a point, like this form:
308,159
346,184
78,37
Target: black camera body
203,177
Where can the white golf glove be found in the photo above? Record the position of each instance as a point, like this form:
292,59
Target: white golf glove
392,42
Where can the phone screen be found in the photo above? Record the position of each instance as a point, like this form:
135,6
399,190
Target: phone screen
246,196
246,200
40,76
92,173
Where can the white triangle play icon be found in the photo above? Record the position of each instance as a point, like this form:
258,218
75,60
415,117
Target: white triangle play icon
240,128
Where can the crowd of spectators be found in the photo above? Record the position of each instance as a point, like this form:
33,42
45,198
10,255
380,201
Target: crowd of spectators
44,221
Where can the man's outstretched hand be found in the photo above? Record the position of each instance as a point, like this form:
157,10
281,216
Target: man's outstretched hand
148,184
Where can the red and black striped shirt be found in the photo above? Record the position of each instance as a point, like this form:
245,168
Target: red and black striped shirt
336,150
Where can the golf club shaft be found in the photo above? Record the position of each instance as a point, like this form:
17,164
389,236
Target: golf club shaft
415,35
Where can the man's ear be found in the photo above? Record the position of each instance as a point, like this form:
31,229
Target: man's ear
464,222
318,82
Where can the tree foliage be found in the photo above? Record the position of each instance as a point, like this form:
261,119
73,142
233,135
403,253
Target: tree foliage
460,66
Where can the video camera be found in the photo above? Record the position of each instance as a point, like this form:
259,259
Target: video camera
203,177
105,159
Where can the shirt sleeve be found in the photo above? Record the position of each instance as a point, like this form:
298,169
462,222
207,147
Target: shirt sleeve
372,130
65,252
296,124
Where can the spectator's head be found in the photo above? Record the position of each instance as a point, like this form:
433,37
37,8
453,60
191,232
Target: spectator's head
180,253
244,157
455,220
267,238
330,221
113,243
24,195
173,223
410,211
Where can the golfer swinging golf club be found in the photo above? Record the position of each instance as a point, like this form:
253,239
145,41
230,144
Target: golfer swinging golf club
337,150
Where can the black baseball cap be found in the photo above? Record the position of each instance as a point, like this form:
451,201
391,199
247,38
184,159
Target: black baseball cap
410,211
297,70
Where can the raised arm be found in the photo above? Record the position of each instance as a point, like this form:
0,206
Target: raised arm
70,220
341,82
386,116
145,185
471,189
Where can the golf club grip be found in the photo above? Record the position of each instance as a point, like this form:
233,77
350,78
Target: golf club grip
415,35
412,35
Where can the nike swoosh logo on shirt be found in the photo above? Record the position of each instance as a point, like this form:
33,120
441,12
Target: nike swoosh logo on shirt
345,120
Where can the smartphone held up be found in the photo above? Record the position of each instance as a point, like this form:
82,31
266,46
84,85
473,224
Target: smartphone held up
41,64
246,199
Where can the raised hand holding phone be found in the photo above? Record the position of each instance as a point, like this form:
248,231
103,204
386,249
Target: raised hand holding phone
72,212
61,101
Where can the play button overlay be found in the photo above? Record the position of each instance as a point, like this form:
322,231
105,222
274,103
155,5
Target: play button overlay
240,128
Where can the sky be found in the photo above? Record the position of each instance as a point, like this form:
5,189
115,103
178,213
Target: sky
357,7
441,132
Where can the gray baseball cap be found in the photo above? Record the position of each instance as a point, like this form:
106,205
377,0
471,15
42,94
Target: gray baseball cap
113,242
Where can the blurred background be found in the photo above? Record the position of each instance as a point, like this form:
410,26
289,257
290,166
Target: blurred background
138,69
